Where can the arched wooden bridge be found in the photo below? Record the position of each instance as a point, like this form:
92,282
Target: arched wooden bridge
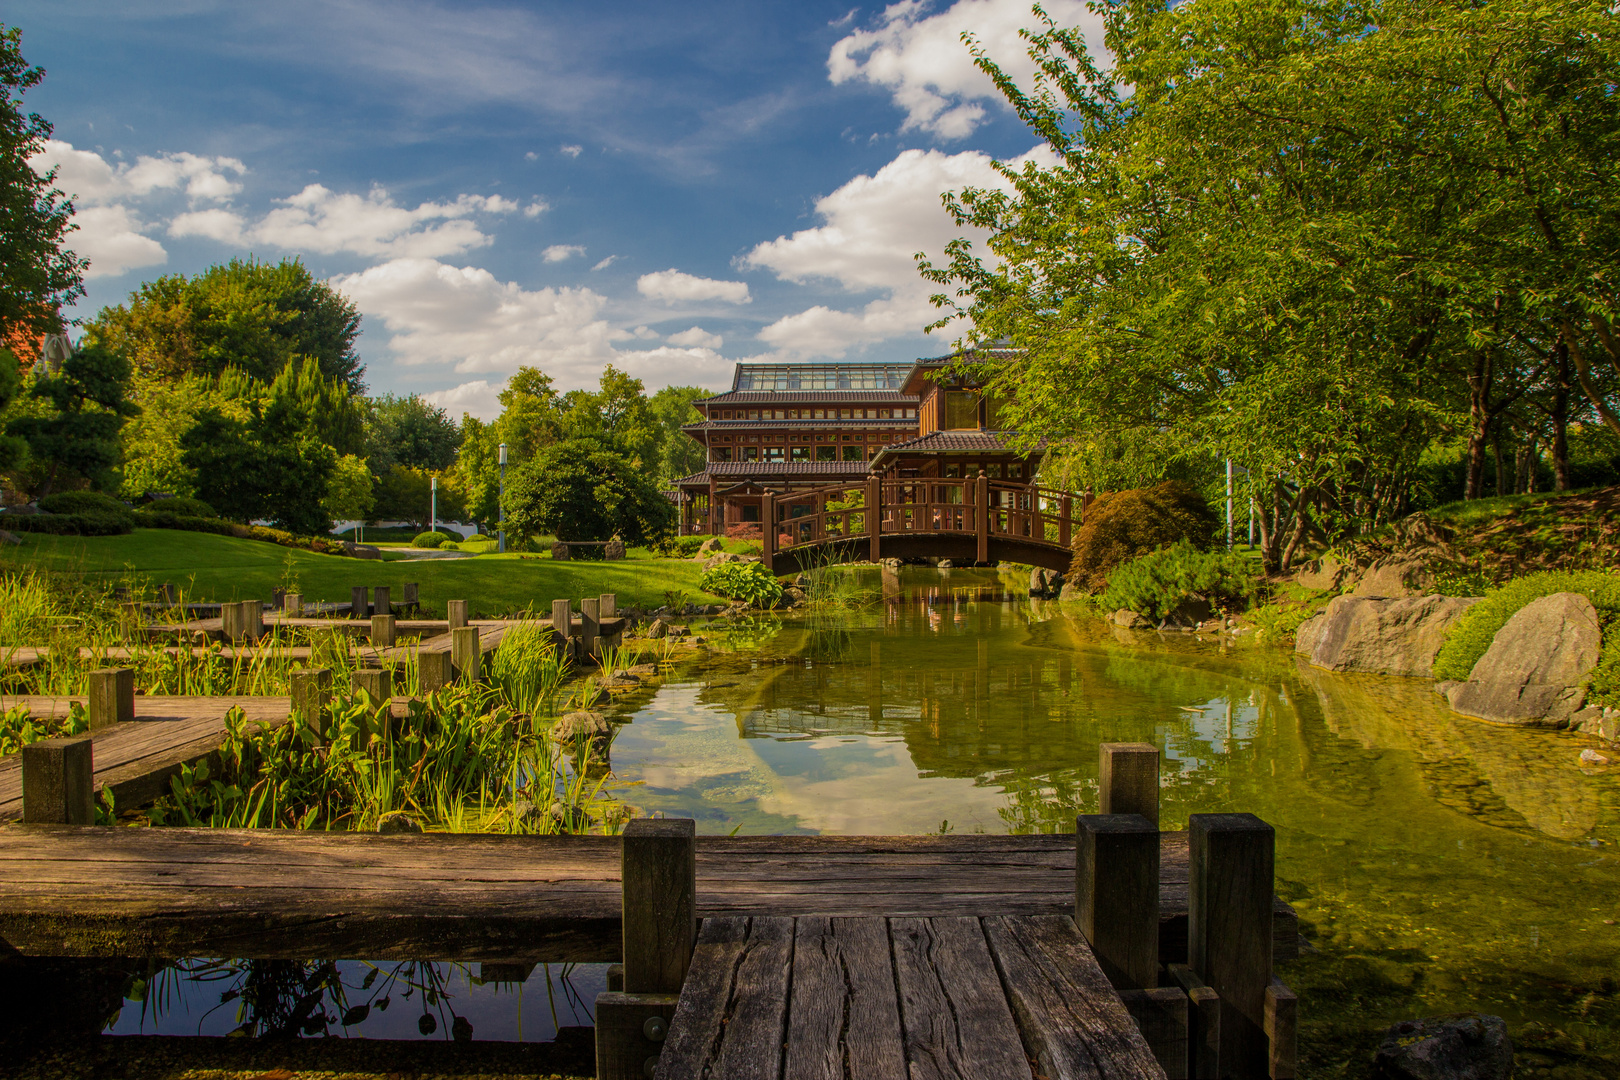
972,520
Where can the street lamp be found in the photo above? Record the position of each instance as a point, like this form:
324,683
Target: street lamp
433,496
501,504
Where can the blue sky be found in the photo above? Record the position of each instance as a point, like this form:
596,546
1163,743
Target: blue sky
666,187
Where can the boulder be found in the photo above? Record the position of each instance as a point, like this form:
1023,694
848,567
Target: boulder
559,551
1130,620
363,551
1380,635
1535,671
1326,573
793,594
1600,721
613,549
592,727
657,629
1045,582
946,564
1071,591
1395,577
398,821
1463,1046
710,546
890,565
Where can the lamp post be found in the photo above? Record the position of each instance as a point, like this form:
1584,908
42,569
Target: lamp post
501,503
433,504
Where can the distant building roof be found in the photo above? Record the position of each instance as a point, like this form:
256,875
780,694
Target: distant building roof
790,397
822,376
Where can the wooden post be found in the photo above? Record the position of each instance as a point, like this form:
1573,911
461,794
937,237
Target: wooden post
359,606
981,491
377,682
434,671
1128,780
382,630
412,595
1161,1016
311,692
230,623
767,529
58,782
1066,522
465,652
872,514
1203,1024
562,623
381,605
253,619
457,611
607,608
1116,896
630,1032
1229,903
590,610
112,697
1281,1027
293,604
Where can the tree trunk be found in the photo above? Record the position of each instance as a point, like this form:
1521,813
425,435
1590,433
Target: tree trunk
1502,485
1560,419
1266,518
1297,534
1479,411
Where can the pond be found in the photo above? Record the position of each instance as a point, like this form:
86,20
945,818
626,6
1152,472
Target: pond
1438,864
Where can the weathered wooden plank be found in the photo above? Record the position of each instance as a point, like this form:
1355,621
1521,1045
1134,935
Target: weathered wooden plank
730,1020
659,869
844,1023
1073,1023
1231,920
954,1017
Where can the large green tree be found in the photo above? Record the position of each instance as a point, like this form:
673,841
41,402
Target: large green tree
583,489
411,432
672,408
73,418
37,275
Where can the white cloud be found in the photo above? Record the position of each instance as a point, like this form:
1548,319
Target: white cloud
480,397
572,150
607,262
871,228
696,337
110,237
319,219
561,252
93,181
531,156
673,285
221,225
645,333
921,60
536,208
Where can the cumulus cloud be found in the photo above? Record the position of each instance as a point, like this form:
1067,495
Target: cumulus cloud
645,333
94,181
572,150
319,219
871,228
607,262
480,397
531,156
697,337
221,225
674,286
561,252
110,237
536,208
921,60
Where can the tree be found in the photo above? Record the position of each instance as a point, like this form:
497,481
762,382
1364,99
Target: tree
582,489
151,448
407,495
252,316
619,415
348,490
410,432
37,277
76,418
12,448
266,466
672,409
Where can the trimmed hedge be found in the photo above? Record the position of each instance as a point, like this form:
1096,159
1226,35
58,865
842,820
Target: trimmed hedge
70,524
1124,525
82,502
163,519
432,540
182,507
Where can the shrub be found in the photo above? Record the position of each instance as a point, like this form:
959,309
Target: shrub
432,539
744,530
1153,584
1471,635
1123,525
165,519
746,581
82,502
182,507
70,524
678,547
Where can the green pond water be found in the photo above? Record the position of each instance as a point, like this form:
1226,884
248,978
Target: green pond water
1437,863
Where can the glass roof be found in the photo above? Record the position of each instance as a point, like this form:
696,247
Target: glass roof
821,376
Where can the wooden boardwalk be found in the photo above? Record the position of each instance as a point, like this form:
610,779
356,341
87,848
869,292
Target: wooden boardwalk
808,998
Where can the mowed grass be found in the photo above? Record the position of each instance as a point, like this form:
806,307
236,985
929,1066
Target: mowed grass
209,568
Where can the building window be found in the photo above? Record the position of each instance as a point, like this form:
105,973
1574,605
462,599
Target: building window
749,513
775,453
995,470
854,453
911,414
846,414
961,409
721,453
992,414
1015,471
750,453
953,470
801,453
826,453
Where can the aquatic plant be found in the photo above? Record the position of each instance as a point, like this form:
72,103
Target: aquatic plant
749,582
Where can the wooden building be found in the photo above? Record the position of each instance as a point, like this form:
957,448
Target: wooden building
783,428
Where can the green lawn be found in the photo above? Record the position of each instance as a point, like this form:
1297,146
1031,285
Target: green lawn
209,567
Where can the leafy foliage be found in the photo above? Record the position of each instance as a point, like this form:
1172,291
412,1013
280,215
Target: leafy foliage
77,416
431,539
678,547
582,489
1153,584
409,431
182,506
1124,525
406,494
83,502
749,582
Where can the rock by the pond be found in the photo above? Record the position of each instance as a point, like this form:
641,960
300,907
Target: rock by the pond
656,629
1188,614
890,565
1597,720
1325,573
1463,1046
1131,620
613,549
559,551
709,547
591,726
1534,672
1592,757
1395,577
644,671
946,564
1378,635
398,821
793,594
1044,582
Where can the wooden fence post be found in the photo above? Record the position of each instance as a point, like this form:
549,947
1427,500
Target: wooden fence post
1229,917
58,782
457,612
872,515
1116,895
359,606
292,605
608,608
1203,1023
562,624
112,697
433,671
981,491
1161,1016
465,652
1128,780
381,605
590,618
311,693
377,682
767,529
659,877
382,630
253,618
1066,522
412,595
1281,1027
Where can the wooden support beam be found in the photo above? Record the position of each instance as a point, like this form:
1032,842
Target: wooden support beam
311,691
630,1032
457,612
590,618
609,605
1231,871
1203,1023
412,594
767,529
562,624
111,697
1281,1027
981,493
872,513
659,876
434,671
1116,895
1161,1016
359,605
466,654
293,604
1128,780
381,605
253,619
382,630
376,682
58,788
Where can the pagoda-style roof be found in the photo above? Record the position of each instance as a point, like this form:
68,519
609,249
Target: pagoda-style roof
733,472
970,442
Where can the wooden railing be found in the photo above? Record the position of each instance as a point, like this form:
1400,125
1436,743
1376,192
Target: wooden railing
976,506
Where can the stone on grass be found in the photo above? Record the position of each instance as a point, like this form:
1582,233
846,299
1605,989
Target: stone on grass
1463,1046
559,551
709,546
1380,636
1535,671
613,549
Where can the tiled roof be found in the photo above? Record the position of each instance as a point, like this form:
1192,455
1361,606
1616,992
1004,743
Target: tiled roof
789,397
981,442
730,425
745,470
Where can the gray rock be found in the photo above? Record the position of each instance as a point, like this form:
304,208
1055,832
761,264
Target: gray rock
1045,582
1602,722
1130,620
1326,573
722,558
710,546
1463,1046
1592,757
593,727
946,564
1535,671
1380,636
9,537
613,549
398,821
363,551
1395,577
657,629
559,551
1071,591
802,581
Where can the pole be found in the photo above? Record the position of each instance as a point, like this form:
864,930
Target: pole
500,536
1228,504
433,504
